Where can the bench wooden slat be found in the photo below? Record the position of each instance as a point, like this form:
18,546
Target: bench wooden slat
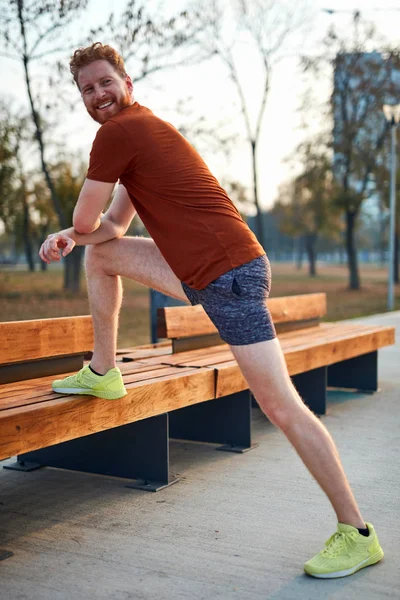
154,357
289,341
31,389
340,333
210,361
229,379
45,338
36,386
309,356
28,428
45,393
22,400
183,357
326,331
133,354
300,360
176,322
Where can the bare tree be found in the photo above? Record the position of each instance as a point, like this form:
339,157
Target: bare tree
363,79
265,26
15,206
33,30
305,206
151,42
382,178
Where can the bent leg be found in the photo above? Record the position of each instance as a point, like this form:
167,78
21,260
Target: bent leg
135,258
264,368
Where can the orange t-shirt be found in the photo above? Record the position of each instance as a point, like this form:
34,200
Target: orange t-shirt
195,225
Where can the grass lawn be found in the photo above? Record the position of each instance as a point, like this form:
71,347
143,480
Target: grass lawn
25,295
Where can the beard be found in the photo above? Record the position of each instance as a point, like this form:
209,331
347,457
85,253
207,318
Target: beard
118,104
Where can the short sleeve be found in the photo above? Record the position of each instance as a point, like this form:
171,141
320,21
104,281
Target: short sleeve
111,155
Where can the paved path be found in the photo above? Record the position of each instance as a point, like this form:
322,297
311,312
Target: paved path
236,527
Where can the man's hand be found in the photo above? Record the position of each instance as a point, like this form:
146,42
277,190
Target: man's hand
55,243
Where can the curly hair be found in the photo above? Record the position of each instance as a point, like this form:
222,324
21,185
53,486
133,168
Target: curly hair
97,51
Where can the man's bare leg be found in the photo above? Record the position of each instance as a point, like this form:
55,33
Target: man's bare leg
263,365
136,258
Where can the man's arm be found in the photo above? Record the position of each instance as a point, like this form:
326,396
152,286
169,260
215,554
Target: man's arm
100,228
90,205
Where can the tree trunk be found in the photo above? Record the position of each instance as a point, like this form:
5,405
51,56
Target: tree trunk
310,240
259,214
27,234
37,120
73,269
352,262
299,261
396,257
43,234
39,136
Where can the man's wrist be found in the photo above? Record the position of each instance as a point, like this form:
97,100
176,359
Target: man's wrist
70,232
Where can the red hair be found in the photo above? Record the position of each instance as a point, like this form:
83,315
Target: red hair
97,51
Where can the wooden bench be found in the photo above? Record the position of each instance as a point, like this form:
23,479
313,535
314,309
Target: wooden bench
126,438
318,354
187,387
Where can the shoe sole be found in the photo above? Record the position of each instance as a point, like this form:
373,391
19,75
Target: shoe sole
85,392
365,563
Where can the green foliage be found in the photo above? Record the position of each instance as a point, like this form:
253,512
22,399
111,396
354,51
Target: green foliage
13,133
307,205
68,178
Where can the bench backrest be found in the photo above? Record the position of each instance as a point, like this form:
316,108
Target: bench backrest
190,327
41,347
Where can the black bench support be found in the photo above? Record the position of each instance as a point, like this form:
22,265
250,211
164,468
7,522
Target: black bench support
23,465
138,451
225,420
312,388
360,373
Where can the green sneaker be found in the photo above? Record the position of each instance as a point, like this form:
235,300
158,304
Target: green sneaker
346,552
109,386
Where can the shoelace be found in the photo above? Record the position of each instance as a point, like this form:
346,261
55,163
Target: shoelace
77,378
336,543
80,378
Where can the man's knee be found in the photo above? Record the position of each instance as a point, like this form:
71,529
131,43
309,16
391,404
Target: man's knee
95,256
282,407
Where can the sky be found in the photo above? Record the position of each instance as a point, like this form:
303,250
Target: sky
214,97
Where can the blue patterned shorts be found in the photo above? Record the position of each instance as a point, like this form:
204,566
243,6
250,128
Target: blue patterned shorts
236,303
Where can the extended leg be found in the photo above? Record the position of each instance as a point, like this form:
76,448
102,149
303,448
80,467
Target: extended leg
263,366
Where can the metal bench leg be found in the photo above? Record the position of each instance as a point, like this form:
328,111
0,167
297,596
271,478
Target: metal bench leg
312,388
138,451
22,465
360,373
225,420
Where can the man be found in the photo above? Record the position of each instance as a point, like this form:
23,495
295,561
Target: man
202,251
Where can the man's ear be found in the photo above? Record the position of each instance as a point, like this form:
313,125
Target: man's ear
129,83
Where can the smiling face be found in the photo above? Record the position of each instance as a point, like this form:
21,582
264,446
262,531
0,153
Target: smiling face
104,91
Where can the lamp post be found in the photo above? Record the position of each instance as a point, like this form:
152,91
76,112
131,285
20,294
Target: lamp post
392,115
